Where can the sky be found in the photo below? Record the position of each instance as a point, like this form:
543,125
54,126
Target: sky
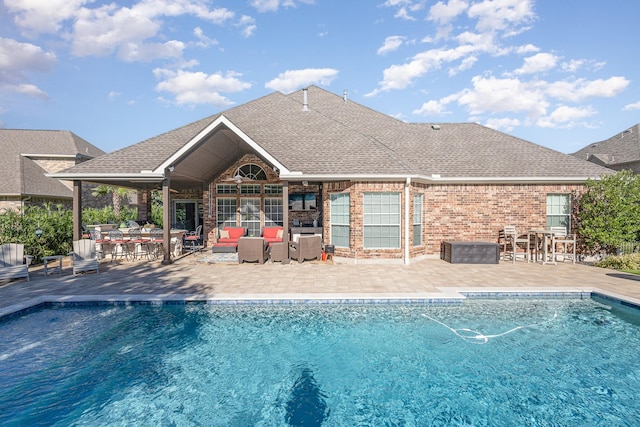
559,73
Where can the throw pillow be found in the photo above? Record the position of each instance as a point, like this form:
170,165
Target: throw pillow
224,234
279,234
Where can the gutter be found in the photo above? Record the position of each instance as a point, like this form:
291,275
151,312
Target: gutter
436,179
140,177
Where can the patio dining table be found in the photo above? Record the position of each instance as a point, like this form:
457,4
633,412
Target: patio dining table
544,247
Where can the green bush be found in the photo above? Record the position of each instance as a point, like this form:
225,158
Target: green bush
621,262
56,224
107,215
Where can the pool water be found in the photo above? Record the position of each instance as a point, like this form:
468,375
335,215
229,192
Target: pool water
484,363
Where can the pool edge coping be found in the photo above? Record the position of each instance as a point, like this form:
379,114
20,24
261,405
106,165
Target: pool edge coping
448,295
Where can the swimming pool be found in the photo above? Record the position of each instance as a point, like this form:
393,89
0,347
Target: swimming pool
485,362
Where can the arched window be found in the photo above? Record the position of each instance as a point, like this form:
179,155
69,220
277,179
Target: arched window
251,171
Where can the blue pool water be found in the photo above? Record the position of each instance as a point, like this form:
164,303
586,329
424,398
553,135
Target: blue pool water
484,363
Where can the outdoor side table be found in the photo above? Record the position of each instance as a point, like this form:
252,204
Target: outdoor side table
52,258
280,252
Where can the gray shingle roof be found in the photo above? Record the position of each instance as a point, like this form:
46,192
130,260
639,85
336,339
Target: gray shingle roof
20,175
334,137
621,148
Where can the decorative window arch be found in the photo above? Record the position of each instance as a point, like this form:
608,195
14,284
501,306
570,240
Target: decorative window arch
251,171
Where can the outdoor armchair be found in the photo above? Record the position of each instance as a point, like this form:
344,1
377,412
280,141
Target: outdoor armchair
84,257
306,248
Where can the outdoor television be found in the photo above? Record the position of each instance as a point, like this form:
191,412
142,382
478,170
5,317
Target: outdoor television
302,202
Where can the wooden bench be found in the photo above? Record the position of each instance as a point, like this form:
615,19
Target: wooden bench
12,262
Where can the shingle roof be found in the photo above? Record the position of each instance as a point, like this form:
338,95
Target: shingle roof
621,148
338,137
20,175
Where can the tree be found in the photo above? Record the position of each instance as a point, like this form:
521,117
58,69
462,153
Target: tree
609,211
117,193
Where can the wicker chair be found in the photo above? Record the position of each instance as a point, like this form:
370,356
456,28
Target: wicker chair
252,249
306,248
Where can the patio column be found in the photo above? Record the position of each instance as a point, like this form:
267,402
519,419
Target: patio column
285,214
166,214
77,210
407,221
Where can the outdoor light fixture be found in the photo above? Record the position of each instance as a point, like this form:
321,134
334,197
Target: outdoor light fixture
38,231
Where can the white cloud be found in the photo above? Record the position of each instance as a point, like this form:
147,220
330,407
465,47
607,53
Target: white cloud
112,95
634,106
510,17
504,95
191,88
133,32
17,60
443,13
274,5
528,48
431,108
391,43
248,25
45,16
566,117
504,124
581,89
291,80
538,63
26,89
573,65
203,40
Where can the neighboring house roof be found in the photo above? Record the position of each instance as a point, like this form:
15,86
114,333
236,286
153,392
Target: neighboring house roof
330,137
20,173
620,149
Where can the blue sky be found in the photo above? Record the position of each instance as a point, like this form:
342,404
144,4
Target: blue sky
561,74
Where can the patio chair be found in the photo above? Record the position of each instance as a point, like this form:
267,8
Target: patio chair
306,248
137,245
510,240
156,241
565,241
253,249
84,256
194,238
118,244
12,262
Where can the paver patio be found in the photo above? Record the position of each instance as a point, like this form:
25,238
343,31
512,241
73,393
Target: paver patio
431,278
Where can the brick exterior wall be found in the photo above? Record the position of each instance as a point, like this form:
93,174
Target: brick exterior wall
450,212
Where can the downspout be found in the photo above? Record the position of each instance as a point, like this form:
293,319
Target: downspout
407,188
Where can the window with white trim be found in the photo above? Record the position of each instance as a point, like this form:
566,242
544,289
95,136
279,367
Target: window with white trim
250,215
273,211
340,228
417,220
559,211
381,217
227,212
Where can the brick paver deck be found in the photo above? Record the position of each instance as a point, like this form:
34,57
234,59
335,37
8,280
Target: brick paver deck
433,278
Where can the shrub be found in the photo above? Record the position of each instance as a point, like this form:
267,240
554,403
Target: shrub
621,262
56,224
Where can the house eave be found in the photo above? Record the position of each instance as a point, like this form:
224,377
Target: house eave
140,177
434,179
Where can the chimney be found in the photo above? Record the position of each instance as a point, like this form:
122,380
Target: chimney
305,105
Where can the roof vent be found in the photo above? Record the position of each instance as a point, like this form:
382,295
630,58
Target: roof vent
344,95
624,132
305,105
435,127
